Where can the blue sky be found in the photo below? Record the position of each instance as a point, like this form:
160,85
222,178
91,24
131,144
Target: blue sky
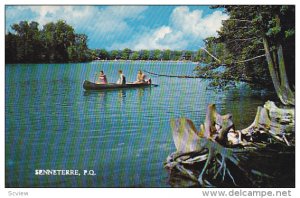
134,27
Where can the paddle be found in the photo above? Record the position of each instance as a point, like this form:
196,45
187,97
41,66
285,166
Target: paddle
155,85
95,77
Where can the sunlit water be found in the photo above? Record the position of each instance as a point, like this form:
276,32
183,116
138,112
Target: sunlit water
123,135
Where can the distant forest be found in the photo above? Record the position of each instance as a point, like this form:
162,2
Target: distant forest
59,43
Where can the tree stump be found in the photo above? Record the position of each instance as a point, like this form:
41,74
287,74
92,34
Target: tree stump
217,152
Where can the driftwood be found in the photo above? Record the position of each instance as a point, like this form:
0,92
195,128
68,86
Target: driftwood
217,152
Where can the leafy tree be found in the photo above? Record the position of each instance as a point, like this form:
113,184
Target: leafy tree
151,55
11,48
135,56
166,54
103,54
56,42
94,53
126,53
157,54
144,54
114,54
186,55
176,55
81,49
269,29
27,41
259,47
200,54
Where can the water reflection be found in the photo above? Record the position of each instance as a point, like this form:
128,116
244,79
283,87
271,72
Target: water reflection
141,93
100,95
118,129
120,95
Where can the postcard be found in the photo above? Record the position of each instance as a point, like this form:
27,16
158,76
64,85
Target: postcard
150,96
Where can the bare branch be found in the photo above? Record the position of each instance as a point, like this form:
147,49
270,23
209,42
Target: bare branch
241,20
211,55
247,60
243,61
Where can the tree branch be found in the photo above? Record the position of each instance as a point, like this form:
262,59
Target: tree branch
241,20
211,55
247,60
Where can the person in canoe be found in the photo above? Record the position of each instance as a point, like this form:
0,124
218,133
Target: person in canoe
102,78
122,79
141,78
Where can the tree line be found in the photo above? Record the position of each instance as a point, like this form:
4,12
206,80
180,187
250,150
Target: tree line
128,54
255,44
55,42
58,42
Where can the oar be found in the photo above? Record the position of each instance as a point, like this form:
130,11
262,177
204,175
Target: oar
155,85
95,77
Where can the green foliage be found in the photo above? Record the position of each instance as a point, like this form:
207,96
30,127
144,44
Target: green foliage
126,53
240,39
135,56
114,54
80,49
25,44
103,54
56,42
167,55
289,33
157,54
144,54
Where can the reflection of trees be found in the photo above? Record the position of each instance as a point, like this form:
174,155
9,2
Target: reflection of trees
248,99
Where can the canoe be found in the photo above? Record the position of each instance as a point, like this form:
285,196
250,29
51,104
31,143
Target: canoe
87,85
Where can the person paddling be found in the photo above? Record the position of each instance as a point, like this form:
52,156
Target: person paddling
102,78
122,79
141,78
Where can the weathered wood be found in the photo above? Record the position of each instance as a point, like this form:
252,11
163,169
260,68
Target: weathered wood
273,120
216,125
210,146
185,135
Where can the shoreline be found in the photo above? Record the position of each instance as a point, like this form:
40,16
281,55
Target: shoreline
167,61
141,61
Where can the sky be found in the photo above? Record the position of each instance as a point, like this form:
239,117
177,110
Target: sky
134,27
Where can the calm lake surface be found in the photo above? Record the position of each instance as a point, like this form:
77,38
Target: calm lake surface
123,135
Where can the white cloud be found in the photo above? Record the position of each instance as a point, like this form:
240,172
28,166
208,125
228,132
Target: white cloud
153,39
186,28
195,24
159,38
99,20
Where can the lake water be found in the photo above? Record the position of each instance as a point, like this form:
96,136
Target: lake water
123,135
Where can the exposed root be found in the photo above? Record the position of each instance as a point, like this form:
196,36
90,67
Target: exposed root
210,155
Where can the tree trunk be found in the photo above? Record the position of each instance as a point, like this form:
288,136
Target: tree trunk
287,92
282,88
